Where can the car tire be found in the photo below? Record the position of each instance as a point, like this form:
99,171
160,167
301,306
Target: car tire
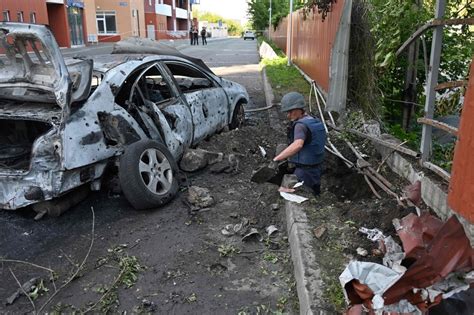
238,117
148,174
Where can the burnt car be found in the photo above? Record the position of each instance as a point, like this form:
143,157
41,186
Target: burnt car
63,122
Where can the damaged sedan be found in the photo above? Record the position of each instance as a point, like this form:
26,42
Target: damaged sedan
65,121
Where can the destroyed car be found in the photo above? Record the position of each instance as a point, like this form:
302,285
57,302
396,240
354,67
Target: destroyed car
64,121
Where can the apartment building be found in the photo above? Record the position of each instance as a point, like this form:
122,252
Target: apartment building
111,21
168,19
64,17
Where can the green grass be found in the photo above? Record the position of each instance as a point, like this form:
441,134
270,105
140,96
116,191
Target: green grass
283,79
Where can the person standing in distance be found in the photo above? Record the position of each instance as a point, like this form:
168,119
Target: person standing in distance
203,35
306,138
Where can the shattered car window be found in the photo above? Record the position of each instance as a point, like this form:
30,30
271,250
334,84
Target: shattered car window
188,78
25,63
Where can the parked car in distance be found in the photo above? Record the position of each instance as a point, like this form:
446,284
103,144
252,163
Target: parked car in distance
249,35
63,122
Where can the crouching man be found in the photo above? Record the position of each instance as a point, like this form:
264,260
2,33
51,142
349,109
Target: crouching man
306,138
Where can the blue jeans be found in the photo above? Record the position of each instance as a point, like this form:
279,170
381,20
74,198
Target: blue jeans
311,177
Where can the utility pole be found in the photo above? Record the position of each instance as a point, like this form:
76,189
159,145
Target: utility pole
289,36
270,20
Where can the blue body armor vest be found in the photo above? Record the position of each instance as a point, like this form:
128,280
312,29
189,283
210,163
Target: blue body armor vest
312,152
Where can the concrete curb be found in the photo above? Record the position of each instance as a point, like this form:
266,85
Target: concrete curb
269,100
306,268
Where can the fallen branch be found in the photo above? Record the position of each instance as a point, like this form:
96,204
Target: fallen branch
437,170
372,187
387,156
26,263
78,269
395,147
106,292
23,290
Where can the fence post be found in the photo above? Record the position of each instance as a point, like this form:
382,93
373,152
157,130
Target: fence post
289,39
432,81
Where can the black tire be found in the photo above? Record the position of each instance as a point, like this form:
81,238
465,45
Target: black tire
148,174
238,117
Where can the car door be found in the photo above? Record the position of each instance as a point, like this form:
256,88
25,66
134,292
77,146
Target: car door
206,99
154,93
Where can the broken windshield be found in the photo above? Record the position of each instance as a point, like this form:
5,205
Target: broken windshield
31,66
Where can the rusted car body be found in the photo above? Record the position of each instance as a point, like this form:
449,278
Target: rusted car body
63,121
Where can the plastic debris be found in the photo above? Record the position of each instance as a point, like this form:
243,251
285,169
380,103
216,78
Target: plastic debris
271,230
293,197
252,235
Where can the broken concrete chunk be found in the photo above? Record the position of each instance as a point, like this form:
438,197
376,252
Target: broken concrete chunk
319,231
196,159
200,197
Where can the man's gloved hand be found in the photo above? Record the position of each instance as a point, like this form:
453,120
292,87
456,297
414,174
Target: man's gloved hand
273,165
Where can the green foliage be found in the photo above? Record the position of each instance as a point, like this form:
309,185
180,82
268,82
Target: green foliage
234,27
284,78
259,12
227,250
322,6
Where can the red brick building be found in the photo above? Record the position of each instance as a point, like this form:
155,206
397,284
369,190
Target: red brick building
167,19
65,18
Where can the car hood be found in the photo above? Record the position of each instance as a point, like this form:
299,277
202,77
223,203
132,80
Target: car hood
31,65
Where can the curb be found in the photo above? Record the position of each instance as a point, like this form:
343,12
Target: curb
306,269
269,100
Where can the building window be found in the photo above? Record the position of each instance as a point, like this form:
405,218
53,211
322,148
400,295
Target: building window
19,16
6,16
106,22
33,17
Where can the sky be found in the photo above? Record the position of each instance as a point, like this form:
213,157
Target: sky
231,9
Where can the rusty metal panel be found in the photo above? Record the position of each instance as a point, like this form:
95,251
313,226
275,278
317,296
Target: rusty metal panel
313,41
461,187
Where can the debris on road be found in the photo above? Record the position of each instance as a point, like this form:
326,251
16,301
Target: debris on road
25,287
293,197
271,230
262,151
197,159
200,197
362,251
319,231
253,234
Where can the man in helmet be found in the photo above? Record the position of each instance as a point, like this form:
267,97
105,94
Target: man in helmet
307,138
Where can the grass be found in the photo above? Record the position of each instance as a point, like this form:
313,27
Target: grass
283,79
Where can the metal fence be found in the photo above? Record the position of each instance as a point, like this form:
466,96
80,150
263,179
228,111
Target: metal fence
320,48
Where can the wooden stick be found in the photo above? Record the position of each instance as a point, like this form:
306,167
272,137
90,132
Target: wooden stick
26,263
372,187
78,269
439,125
393,146
437,170
381,178
388,155
450,85
23,290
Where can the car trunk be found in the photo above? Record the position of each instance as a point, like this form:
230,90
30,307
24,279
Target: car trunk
21,123
16,141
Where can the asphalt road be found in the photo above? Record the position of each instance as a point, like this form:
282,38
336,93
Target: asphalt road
183,271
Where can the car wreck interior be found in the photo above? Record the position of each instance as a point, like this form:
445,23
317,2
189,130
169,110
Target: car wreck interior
16,141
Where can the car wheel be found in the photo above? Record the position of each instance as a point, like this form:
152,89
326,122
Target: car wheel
147,174
238,117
